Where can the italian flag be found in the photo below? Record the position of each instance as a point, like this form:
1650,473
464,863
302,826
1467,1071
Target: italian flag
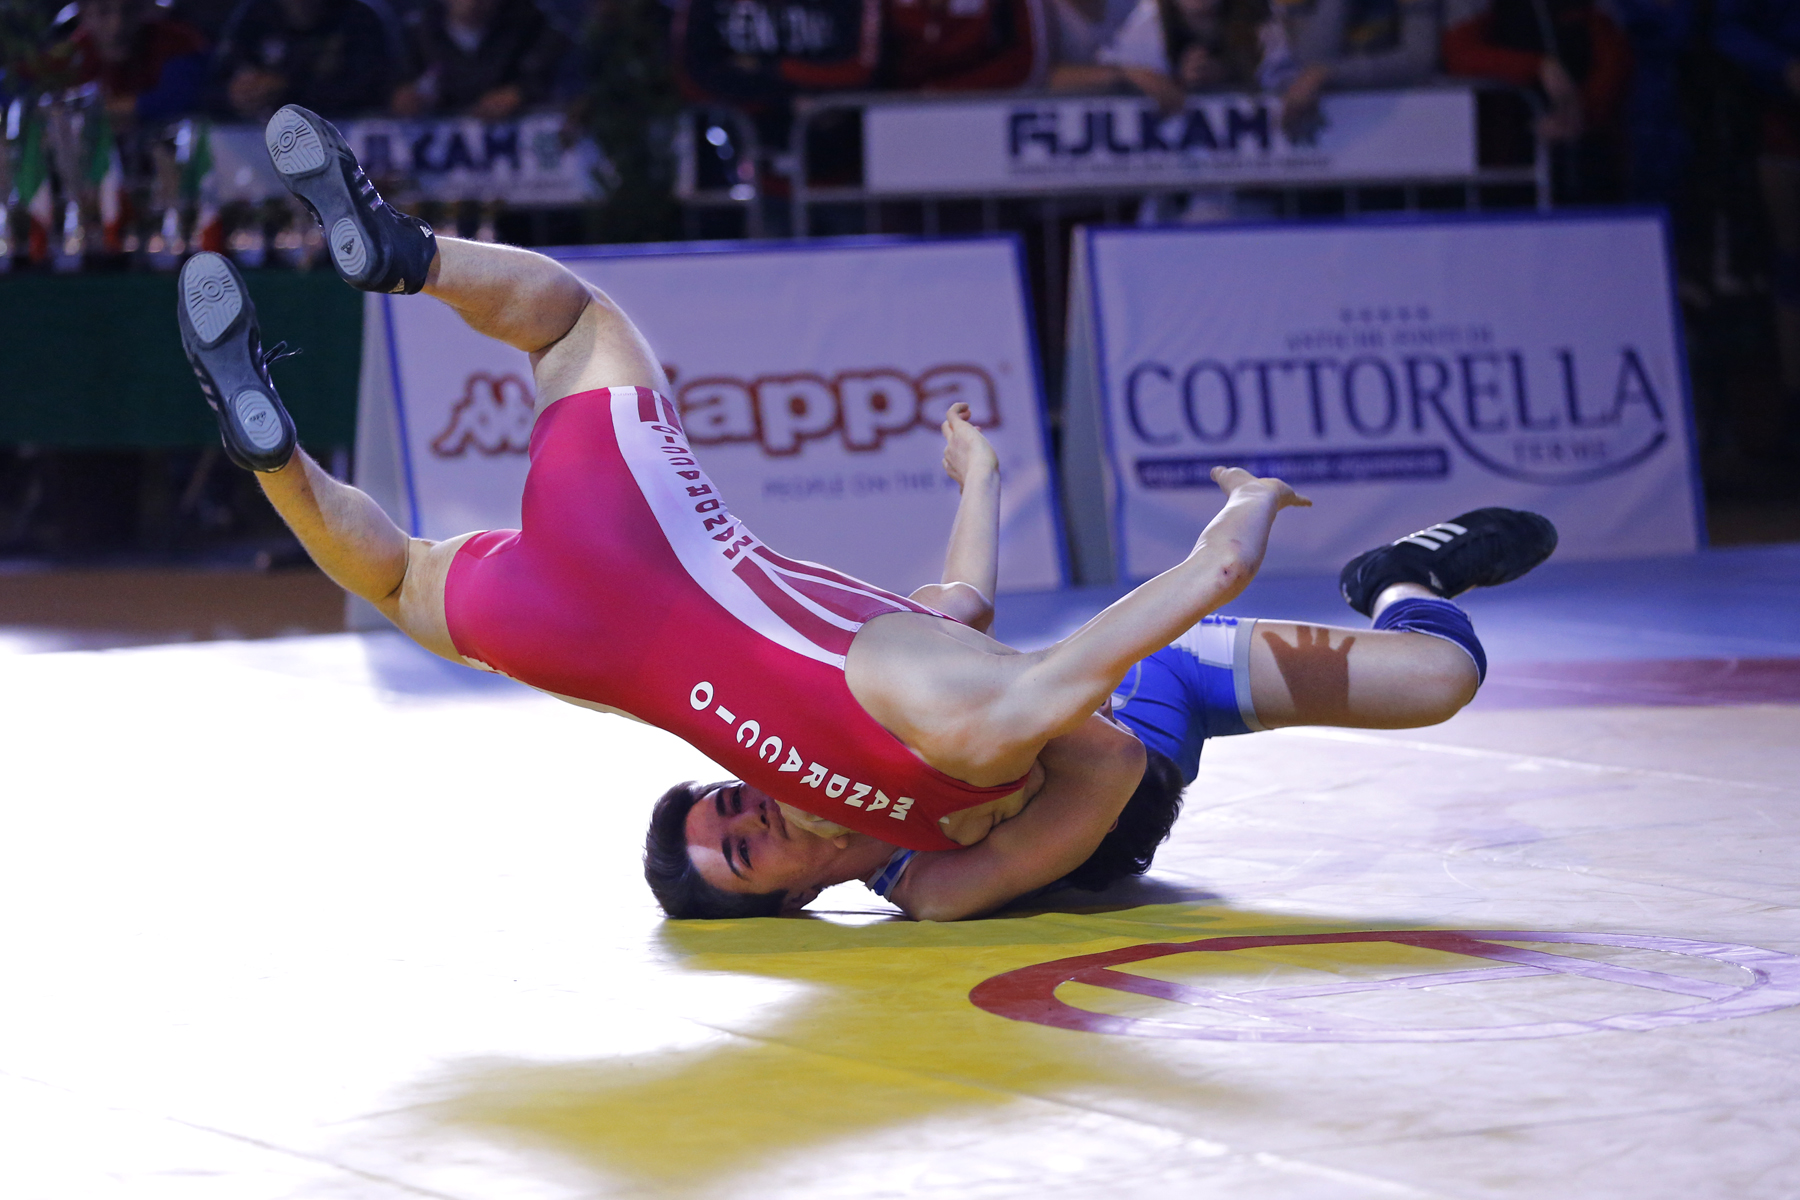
106,175
200,181
34,189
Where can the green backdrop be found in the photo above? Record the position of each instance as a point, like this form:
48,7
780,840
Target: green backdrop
94,361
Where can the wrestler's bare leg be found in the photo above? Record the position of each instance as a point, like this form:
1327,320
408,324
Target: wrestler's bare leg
577,337
983,717
358,545
1360,678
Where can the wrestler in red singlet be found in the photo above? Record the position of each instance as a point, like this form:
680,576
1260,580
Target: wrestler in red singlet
633,588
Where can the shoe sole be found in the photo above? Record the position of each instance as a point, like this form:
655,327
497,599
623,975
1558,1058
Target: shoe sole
308,164
212,305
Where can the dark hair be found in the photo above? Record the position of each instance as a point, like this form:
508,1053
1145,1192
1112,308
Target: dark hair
1143,826
678,887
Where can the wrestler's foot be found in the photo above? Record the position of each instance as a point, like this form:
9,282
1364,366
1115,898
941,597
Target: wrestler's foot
224,346
1478,549
374,246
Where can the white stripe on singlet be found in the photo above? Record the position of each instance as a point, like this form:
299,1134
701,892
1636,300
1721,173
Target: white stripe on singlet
643,445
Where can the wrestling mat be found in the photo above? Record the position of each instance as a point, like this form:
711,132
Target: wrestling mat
323,918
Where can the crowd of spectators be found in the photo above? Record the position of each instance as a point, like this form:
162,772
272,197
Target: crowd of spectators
157,59
1609,75
1612,79
1627,93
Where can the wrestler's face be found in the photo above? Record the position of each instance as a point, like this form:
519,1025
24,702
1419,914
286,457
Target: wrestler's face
739,842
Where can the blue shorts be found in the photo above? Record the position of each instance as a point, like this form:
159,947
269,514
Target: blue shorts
1195,688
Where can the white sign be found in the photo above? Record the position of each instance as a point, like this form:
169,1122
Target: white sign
811,380
1398,373
1047,144
524,162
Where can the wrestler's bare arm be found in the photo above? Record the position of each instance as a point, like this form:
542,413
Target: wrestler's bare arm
1088,776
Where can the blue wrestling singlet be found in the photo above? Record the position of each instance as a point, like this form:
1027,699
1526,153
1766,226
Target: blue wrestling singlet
1195,688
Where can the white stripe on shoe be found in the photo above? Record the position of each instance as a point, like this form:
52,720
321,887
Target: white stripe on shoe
1434,537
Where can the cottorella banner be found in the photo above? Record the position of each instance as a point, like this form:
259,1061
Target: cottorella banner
811,380
1397,373
1039,143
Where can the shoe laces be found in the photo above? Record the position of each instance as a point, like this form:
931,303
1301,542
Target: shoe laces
365,187
276,353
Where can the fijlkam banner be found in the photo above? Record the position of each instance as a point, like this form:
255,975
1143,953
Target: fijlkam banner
1049,143
1398,373
810,379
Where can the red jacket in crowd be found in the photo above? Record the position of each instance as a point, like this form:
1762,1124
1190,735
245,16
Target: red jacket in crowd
960,45
1507,45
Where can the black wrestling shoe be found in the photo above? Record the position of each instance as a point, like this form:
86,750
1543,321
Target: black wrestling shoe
1478,549
224,346
374,246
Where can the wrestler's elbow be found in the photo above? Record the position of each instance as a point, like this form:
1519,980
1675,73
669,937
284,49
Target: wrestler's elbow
1120,758
1108,773
951,908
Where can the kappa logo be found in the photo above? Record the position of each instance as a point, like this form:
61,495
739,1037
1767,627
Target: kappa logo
494,416
748,733
864,407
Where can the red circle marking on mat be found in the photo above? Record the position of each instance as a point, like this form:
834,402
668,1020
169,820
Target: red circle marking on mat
1280,1014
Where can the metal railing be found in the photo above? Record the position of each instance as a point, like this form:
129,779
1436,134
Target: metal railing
708,132
727,174
807,195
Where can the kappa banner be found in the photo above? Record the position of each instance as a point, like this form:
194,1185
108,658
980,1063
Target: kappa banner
811,381
1048,143
1398,374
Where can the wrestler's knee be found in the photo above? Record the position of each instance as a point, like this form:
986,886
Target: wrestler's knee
1441,682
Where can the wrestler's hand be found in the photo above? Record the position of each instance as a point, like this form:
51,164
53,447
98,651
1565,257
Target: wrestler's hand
1234,481
967,452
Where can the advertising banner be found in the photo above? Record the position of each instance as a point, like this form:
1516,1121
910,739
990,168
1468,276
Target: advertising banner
811,380
524,162
1043,143
1398,373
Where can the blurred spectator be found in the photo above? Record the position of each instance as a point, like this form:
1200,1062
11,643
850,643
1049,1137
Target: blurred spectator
1661,33
1111,45
487,58
150,67
1215,45
631,105
208,16
336,57
1581,62
1355,44
766,50
963,45
1763,38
